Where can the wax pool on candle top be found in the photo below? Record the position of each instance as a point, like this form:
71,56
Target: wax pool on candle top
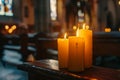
63,52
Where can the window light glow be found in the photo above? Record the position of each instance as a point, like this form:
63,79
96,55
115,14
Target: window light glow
6,7
80,16
119,2
53,9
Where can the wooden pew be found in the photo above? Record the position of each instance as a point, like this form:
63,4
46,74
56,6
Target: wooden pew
104,44
48,69
23,44
42,45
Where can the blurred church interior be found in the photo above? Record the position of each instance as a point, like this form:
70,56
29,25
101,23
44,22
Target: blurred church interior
51,19
60,15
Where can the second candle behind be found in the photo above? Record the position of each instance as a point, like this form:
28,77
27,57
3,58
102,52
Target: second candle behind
76,54
87,35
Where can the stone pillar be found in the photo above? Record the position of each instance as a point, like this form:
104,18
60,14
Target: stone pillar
42,15
94,15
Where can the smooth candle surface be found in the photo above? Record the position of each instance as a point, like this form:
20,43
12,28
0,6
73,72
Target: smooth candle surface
63,52
76,54
87,35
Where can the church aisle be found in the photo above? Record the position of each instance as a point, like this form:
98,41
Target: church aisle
11,73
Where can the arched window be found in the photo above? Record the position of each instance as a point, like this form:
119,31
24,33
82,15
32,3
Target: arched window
6,7
53,10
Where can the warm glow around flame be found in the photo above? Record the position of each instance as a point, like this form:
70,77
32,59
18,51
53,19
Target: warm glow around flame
6,27
87,27
10,31
107,29
119,2
74,27
14,27
119,29
65,36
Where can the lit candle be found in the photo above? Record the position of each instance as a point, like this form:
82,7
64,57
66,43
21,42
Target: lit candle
107,29
63,52
87,35
119,29
76,54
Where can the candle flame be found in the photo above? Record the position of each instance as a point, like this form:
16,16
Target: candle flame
87,27
107,29
13,27
77,33
119,29
84,27
65,36
6,27
74,27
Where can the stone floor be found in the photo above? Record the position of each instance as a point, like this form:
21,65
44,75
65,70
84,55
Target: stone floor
10,72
